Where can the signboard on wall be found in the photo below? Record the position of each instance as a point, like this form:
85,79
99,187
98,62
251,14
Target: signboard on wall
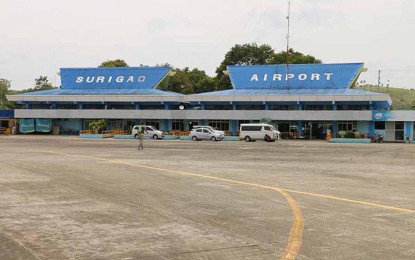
112,78
298,76
394,115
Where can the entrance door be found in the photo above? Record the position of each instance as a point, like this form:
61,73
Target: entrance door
316,129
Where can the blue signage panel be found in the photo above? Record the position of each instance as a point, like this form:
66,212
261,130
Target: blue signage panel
381,115
7,114
113,78
299,76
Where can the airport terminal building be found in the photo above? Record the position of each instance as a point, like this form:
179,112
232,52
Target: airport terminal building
301,100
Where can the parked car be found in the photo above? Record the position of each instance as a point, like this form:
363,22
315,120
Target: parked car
253,132
152,132
210,128
205,134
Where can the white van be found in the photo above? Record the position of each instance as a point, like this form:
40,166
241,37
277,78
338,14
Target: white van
252,132
151,132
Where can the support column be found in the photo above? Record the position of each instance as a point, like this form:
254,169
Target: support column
300,128
372,128
166,125
334,130
234,127
266,106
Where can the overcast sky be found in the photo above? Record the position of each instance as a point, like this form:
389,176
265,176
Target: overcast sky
39,37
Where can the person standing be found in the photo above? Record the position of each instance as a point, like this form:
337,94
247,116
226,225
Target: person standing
140,132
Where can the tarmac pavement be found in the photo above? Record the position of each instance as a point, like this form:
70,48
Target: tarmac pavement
72,198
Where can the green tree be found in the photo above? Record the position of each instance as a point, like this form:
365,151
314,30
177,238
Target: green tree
294,57
113,63
245,54
42,83
4,89
98,125
180,82
252,54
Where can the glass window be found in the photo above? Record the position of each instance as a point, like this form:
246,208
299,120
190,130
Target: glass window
399,125
40,106
199,130
85,124
353,107
67,106
267,128
153,123
206,131
318,107
218,107
250,107
93,106
152,107
347,126
219,124
379,125
177,125
283,107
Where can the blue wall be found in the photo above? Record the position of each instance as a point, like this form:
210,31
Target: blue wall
409,130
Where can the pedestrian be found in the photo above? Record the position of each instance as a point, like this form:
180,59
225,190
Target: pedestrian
141,130
328,134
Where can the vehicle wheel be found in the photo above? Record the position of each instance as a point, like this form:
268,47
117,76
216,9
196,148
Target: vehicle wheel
194,138
247,139
213,138
155,137
136,136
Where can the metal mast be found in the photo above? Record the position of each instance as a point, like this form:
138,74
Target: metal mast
288,45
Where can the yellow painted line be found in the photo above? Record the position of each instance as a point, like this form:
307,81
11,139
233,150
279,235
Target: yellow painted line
296,232
351,201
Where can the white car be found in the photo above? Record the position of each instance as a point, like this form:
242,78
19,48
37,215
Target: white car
205,134
210,128
151,132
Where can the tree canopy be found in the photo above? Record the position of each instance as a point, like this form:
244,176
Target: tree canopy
5,89
252,54
113,63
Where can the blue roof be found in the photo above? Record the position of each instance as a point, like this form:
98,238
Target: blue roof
281,92
144,92
113,78
299,76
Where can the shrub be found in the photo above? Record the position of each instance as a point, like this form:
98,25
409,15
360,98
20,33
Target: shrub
349,134
357,134
342,134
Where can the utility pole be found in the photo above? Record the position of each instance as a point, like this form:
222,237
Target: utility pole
378,80
1,98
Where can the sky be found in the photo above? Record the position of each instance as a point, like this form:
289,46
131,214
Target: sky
39,37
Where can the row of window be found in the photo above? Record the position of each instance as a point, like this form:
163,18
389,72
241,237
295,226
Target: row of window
207,107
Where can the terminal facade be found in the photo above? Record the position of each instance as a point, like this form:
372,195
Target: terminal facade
302,100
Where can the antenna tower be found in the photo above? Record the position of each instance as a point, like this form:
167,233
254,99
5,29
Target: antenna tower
288,45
